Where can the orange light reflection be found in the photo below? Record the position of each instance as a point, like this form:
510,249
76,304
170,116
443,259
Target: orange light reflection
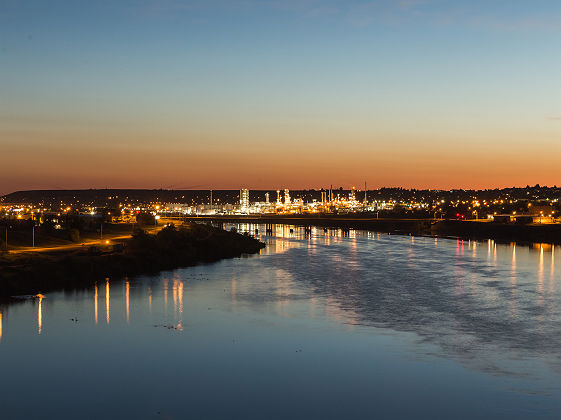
96,294
107,301
127,288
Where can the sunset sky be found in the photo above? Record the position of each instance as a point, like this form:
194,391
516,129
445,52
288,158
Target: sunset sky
279,93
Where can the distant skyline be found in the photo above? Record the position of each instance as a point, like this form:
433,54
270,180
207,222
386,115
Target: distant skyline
266,94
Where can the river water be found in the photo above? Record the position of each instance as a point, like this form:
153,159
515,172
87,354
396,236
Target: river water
325,325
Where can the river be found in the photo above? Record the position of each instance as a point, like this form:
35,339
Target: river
320,325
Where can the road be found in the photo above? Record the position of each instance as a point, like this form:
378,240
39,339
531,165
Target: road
107,240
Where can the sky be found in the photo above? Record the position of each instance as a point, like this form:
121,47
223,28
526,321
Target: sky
279,93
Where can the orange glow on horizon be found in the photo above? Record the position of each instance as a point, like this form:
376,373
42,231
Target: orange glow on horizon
408,163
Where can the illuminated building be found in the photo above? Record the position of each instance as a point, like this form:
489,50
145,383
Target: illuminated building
244,200
286,197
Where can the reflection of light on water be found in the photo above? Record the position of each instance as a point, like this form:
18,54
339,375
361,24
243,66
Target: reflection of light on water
150,299
40,314
174,294
459,247
107,300
313,304
177,298
165,295
0,326
344,316
234,292
127,291
180,296
513,283
95,302
459,272
540,266
474,249
540,277
552,271
284,289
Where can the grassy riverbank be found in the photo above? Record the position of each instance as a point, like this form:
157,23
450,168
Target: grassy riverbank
29,273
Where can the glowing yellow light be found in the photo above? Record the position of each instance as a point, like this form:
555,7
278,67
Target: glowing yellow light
127,293
107,301
40,314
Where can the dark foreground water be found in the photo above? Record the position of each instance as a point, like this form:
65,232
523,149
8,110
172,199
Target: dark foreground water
324,326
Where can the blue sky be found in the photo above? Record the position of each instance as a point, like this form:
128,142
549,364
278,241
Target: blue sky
411,93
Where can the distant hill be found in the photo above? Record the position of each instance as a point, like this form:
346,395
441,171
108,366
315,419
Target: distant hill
111,197
107,197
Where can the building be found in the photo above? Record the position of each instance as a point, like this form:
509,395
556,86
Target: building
286,197
244,200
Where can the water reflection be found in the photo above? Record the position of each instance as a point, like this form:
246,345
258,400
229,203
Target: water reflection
127,298
165,283
180,296
513,274
107,301
540,276
552,271
40,314
366,282
490,311
96,293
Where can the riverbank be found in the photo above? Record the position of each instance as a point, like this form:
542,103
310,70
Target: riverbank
464,229
39,272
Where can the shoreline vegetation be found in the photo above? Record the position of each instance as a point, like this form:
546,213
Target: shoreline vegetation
144,253
443,228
